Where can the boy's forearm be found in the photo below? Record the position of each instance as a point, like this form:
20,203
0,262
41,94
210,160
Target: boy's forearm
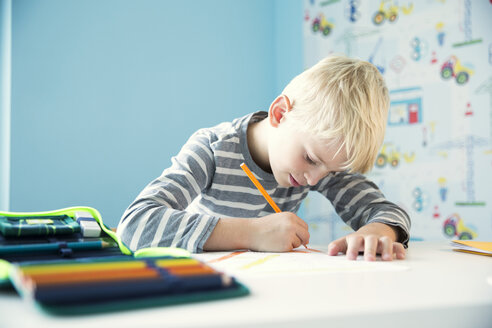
229,234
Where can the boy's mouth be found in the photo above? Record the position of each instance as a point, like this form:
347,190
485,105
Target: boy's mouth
293,181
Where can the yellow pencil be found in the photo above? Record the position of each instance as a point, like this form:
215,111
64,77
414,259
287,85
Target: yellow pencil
261,189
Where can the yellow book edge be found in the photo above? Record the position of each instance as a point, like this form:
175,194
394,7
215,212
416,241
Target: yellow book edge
473,247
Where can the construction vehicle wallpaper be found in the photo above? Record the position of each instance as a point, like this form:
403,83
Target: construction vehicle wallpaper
436,58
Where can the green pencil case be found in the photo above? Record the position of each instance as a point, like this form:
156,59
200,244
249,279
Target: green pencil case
38,225
46,251
52,236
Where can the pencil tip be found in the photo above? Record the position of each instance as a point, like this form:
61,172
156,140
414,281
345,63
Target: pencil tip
226,280
105,244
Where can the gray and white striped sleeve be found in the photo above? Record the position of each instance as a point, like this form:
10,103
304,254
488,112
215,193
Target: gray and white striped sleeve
359,201
158,216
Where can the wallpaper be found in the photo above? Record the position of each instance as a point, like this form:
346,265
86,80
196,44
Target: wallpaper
436,58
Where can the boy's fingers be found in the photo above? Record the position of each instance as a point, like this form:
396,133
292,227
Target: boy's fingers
354,243
370,247
296,242
303,223
386,248
303,235
337,246
399,250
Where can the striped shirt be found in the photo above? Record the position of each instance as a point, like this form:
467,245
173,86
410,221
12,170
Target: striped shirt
205,182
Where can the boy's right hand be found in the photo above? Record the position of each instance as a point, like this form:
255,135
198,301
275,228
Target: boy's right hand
279,232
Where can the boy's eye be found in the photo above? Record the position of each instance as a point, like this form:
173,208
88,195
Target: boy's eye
309,160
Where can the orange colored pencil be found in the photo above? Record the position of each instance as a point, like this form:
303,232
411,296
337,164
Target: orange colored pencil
95,276
260,187
191,271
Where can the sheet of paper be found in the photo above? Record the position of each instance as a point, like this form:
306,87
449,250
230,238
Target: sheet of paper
299,261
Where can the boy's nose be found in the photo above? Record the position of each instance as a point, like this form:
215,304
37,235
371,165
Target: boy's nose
313,177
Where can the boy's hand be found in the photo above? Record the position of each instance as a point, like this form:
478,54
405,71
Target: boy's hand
373,238
279,232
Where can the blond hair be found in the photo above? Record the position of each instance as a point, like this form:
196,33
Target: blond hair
345,101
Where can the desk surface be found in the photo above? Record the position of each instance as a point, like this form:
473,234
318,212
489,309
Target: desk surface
438,288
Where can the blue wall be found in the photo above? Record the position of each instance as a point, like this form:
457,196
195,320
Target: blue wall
288,42
5,93
105,92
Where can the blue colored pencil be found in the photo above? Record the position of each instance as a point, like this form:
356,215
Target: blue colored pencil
83,293
84,245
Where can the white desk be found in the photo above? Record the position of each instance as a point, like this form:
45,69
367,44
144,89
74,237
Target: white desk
441,288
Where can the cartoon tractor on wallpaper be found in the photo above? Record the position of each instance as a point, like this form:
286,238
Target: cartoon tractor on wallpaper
389,154
452,68
321,24
454,226
389,11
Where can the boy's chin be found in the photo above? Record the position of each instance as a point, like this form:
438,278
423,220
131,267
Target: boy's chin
285,184
281,182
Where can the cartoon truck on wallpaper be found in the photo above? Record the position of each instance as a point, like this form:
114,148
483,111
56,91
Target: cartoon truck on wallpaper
388,154
321,24
388,10
452,68
454,226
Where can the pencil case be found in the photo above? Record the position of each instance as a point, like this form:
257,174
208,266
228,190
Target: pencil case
56,235
38,225
87,269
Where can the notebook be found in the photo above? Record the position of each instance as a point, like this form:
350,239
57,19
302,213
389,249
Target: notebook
474,247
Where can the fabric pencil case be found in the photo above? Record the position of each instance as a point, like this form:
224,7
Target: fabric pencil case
53,235
69,274
38,225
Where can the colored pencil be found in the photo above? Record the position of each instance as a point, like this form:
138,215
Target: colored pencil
260,187
84,245
82,267
97,282
189,271
78,277
94,276
119,263
125,289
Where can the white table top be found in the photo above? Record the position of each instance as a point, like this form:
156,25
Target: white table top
436,287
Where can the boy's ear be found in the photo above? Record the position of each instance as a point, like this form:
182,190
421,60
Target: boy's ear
278,108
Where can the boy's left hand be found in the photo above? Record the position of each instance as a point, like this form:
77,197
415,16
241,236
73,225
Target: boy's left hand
373,238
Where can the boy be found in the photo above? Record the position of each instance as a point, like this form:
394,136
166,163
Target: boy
327,125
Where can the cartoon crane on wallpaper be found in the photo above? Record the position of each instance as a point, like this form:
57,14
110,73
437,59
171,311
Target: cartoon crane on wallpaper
373,54
466,23
468,142
351,36
486,87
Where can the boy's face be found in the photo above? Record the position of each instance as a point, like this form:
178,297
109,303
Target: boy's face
298,158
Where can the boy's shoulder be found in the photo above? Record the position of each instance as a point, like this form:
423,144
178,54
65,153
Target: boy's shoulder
229,130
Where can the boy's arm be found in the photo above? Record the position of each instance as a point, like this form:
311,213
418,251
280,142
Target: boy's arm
278,232
157,217
377,222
